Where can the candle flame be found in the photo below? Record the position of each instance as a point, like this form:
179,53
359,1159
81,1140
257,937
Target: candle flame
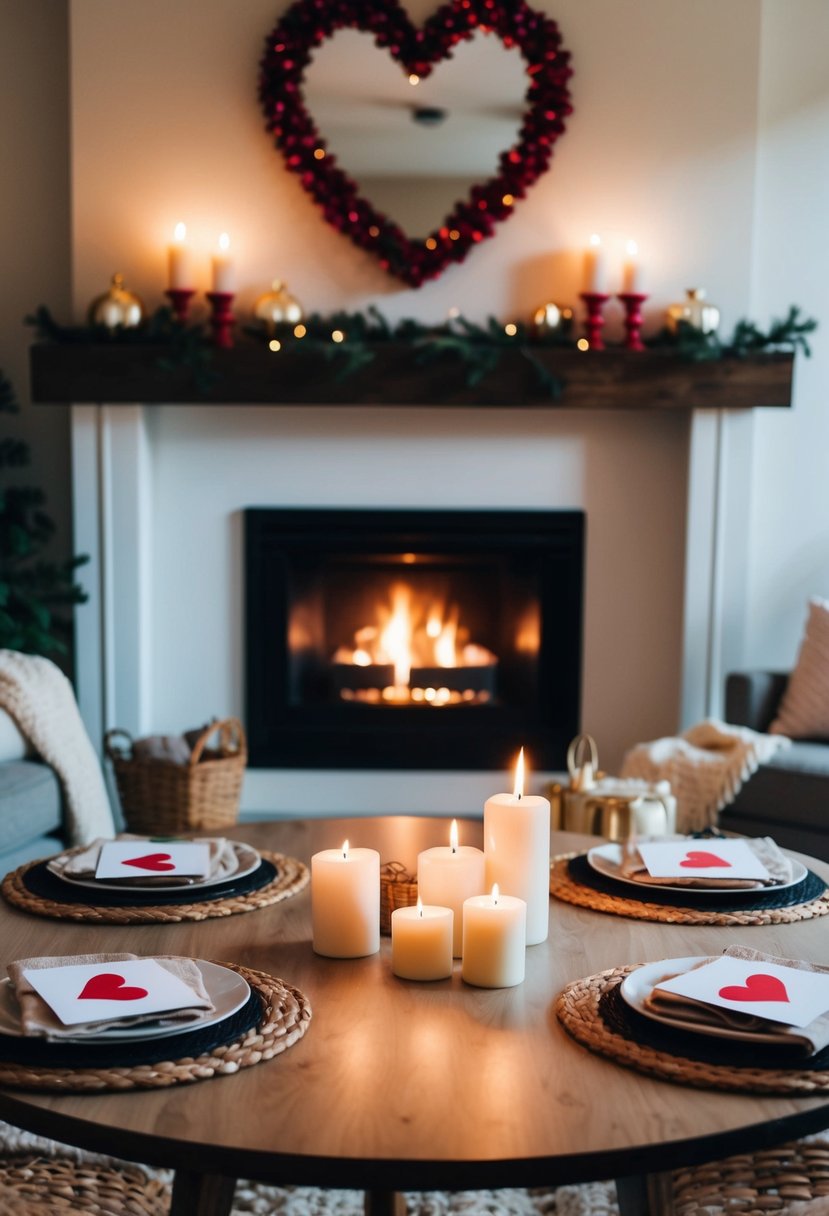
453,836
419,906
180,231
595,240
632,249
496,893
518,792
224,242
345,850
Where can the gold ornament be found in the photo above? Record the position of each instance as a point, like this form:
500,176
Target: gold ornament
551,319
116,307
278,306
694,311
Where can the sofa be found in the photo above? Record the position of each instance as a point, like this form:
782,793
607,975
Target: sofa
788,796
31,802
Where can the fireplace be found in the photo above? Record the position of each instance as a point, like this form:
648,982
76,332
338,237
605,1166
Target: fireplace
412,639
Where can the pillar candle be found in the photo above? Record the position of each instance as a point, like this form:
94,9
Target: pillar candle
448,876
421,942
345,902
517,847
224,272
494,939
595,273
179,262
632,277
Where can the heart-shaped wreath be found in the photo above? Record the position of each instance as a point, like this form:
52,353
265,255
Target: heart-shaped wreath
308,23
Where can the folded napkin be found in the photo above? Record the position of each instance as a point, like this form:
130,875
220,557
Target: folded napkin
37,1019
807,1039
778,865
83,862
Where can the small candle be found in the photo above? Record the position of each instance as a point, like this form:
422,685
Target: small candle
345,902
595,271
448,876
494,937
517,847
224,271
179,262
632,271
421,942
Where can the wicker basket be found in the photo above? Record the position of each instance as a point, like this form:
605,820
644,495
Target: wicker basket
397,890
162,797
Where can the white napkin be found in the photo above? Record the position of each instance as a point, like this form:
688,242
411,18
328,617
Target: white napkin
778,865
82,862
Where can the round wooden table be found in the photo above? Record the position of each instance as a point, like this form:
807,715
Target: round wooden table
406,1086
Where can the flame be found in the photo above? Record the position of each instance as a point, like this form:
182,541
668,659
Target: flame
224,242
496,893
345,850
180,232
518,792
453,836
396,638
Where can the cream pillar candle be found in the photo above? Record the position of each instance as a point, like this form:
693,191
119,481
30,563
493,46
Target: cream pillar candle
448,876
632,276
224,272
517,848
179,261
595,271
345,902
494,939
421,942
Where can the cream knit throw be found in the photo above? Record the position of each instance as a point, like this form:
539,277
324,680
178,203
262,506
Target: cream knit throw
706,766
41,700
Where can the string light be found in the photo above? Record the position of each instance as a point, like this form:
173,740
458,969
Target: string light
583,344
274,345
300,331
510,329
337,335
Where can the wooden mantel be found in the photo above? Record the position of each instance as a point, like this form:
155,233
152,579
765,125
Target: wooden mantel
250,374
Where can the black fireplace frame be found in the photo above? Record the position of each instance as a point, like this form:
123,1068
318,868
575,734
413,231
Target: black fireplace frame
282,734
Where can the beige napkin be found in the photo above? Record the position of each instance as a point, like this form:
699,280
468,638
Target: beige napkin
83,862
778,865
37,1019
807,1039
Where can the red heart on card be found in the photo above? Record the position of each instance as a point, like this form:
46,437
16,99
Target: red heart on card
152,861
757,988
110,987
700,861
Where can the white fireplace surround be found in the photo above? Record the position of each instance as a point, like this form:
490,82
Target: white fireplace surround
158,496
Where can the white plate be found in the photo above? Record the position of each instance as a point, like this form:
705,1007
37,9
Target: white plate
226,989
249,860
641,982
606,858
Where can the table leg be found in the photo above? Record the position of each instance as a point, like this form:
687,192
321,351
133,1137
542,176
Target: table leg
384,1203
201,1194
646,1195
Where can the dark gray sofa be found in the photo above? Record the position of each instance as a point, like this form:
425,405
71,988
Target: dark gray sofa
788,797
31,813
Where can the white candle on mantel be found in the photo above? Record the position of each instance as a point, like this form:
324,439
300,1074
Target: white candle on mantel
632,277
595,269
448,876
494,940
517,848
421,942
179,262
345,902
224,271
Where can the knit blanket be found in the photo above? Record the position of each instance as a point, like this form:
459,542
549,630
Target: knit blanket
706,765
38,696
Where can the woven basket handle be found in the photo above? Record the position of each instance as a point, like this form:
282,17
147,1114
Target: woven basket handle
116,750
231,739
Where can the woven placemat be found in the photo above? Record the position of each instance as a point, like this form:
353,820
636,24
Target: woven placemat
289,877
31,1185
574,881
592,1011
285,1013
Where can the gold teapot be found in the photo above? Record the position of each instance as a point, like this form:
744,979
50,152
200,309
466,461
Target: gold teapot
613,807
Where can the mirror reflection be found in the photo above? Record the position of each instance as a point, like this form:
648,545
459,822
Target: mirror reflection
416,147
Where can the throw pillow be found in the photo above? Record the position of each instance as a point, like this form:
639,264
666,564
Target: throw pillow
803,712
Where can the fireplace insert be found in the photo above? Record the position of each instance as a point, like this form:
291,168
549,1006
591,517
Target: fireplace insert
412,639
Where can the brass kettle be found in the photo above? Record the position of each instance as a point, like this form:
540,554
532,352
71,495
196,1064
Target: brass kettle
605,806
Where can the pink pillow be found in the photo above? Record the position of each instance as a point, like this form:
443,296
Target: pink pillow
803,712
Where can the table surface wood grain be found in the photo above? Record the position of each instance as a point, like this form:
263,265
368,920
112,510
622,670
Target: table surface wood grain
410,1086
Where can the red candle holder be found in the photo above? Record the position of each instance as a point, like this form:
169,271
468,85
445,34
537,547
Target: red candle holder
595,301
633,302
179,298
221,318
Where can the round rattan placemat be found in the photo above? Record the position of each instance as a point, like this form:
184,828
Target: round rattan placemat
286,1013
565,887
291,877
586,1011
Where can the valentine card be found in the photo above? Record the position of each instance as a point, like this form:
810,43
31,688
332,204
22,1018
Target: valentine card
765,990
99,992
701,859
144,859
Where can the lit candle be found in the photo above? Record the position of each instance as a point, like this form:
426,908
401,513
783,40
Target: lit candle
494,937
517,847
224,272
179,262
595,272
345,902
632,271
448,876
421,942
